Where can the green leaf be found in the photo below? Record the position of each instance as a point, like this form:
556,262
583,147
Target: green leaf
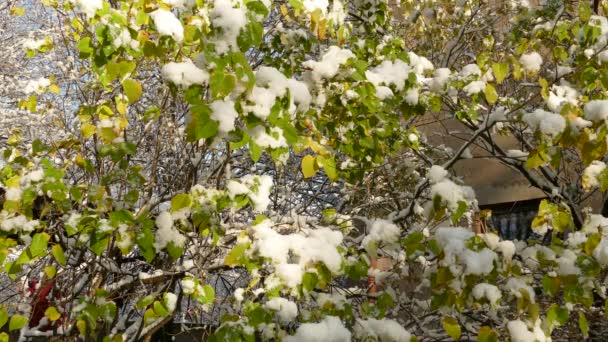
52,314
236,255
160,309
309,281
491,94
451,327
550,285
207,295
308,166
201,126
486,334
85,47
500,71
132,89
583,324
329,166
180,201
58,254
39,244
17,322
221,84
557,316
50,271
3,317
145,241
144,302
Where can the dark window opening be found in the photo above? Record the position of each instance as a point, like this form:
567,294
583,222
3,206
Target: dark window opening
513,221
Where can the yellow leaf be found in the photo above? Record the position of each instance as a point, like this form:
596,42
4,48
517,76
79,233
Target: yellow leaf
309,167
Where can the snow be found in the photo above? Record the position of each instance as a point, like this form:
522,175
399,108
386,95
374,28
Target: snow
594,223
286,310
531,62
452,193
17,223
591,174
481,262
507,248
224,113
330,329
273,140
561,95
600,253
167,233
257,188
330,62
33,44
436,174
517,154
88,7
291,253
184,74
498,114
271,84
381,330
440,78
380,231
487,291
602,57
419,64
563,70
335,299
474,87
491,240
458,257
338,13
518,330
567,263
389,73
171,301
36,86
516,286
596,110
239,294
312,5
13,194
549,123
230,20
125,242
167,24
470,70
290,274
188,286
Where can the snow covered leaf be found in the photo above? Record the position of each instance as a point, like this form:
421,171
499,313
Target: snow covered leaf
451,327
309,167
132,89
